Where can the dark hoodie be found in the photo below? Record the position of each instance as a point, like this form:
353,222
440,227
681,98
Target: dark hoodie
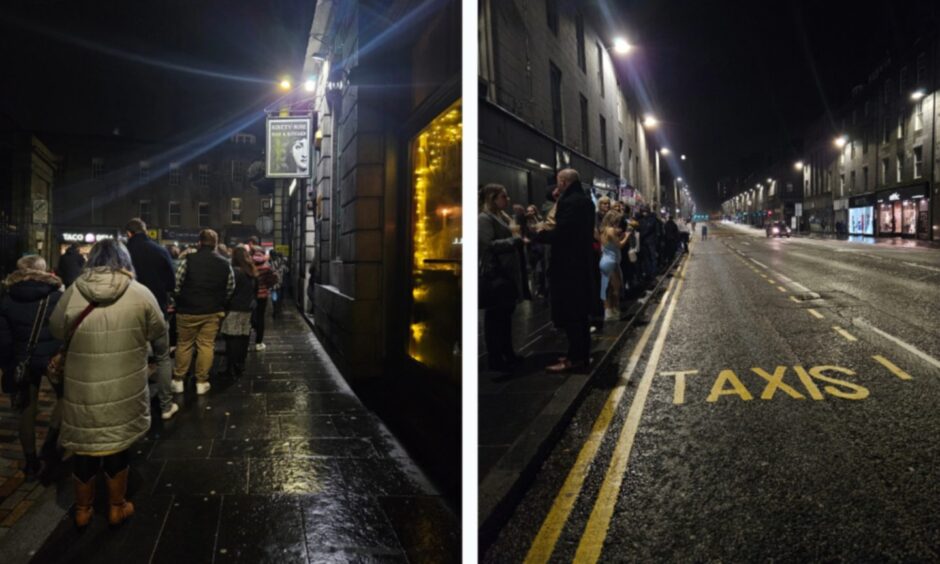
18,308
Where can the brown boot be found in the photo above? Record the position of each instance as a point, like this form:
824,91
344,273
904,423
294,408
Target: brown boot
119,508
84,501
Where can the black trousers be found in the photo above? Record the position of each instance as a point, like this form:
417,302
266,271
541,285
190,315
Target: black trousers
258,319
236,351
579,341
85,467
497,333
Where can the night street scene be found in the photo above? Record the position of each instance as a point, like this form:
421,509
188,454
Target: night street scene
230,242
709,238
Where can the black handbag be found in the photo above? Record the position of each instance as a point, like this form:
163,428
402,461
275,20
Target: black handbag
20,394
495,288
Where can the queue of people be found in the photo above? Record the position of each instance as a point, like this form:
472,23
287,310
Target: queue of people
123,332
586,258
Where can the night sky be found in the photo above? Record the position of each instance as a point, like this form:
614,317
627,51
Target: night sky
733,78
93,66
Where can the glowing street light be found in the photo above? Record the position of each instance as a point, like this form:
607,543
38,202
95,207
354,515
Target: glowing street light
650,121
679,179
798,165
284,84
840,141
622,46
664,151
682,157
770,180
918,94
310,85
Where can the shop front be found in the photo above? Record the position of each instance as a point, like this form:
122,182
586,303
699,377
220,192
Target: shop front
84,237
862,215
904,212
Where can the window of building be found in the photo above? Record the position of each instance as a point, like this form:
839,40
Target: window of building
175,215
143,211
551,11
585,128
864,179
600,67
238,171
144,172
852,149
884,171
900,167
603,140
557,125
852,182
841,185
203,214
918,161
919,115
921,69
828,181
174,174
901,126
579,34
97,168
236,210
203,175
842,155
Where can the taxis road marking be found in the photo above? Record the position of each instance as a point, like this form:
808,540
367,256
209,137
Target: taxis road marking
815,313
782,289
793,299
848,336
678,395
544,543
893,368
592,540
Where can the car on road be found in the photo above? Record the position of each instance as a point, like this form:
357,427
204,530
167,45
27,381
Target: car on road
778,229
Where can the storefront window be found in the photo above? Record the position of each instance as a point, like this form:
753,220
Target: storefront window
885,219
909,210
434,329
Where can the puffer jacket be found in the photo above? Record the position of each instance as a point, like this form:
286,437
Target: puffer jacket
106,405
18,308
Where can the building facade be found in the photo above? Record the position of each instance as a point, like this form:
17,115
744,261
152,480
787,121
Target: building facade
550,98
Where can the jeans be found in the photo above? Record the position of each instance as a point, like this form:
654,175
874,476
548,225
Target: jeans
197,331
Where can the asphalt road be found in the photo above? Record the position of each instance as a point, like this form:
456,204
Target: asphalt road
807,427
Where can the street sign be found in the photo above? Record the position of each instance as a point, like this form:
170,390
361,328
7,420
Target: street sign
288,147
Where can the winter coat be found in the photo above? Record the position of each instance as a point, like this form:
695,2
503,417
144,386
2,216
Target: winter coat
267,277
18,309
572,265
243,299
205,282
496,239
70,266
106,402
153,266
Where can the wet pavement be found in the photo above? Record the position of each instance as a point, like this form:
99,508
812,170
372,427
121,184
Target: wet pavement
281,465
784,408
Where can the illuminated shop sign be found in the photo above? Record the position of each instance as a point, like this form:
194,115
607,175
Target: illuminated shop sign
894,197
76,237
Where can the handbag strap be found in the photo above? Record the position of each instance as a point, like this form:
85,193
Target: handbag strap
37,327
81,317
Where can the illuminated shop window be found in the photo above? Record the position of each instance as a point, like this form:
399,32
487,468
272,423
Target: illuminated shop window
434,327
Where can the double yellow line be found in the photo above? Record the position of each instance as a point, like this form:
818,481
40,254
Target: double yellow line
592,540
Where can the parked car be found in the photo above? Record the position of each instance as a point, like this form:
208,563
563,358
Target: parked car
778,229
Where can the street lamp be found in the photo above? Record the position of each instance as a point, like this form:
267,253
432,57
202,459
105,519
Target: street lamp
650,121
284,84
918,94
798,165
682,157
664,151
840,141
622,46
310,85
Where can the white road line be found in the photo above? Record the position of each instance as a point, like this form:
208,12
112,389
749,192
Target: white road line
760,264
925,267
859,322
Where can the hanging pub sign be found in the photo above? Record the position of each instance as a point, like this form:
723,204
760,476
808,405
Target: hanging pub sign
288,147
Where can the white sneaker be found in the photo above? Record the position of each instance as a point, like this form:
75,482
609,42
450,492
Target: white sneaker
169,413
202,387
176,386
260,346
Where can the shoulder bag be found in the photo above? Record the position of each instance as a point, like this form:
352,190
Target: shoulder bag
55,372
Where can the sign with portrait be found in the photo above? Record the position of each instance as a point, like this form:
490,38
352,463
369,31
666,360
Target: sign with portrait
288,147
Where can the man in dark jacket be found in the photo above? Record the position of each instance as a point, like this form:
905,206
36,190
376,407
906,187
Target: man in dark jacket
70,265
25,289
649,243
154,269
204,284
571,269
671,235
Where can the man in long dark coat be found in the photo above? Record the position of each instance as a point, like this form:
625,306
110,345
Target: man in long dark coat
571,270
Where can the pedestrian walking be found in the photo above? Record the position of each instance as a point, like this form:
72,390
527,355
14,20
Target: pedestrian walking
70,265
267,279
500,275
31,294
236,329
204,284
704,231
571,269
106,402
154,269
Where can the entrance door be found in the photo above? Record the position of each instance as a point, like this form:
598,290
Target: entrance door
922,218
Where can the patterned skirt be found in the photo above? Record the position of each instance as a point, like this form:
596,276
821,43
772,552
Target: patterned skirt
237,323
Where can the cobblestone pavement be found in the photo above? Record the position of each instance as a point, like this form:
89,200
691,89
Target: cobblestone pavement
284,464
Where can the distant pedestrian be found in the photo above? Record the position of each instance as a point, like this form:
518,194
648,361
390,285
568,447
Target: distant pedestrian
267,279
106,401
154,268
612,239
237,325
70,264
280,268
500,275
704,231
649,244
671,238
204,284
29,291
571,269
